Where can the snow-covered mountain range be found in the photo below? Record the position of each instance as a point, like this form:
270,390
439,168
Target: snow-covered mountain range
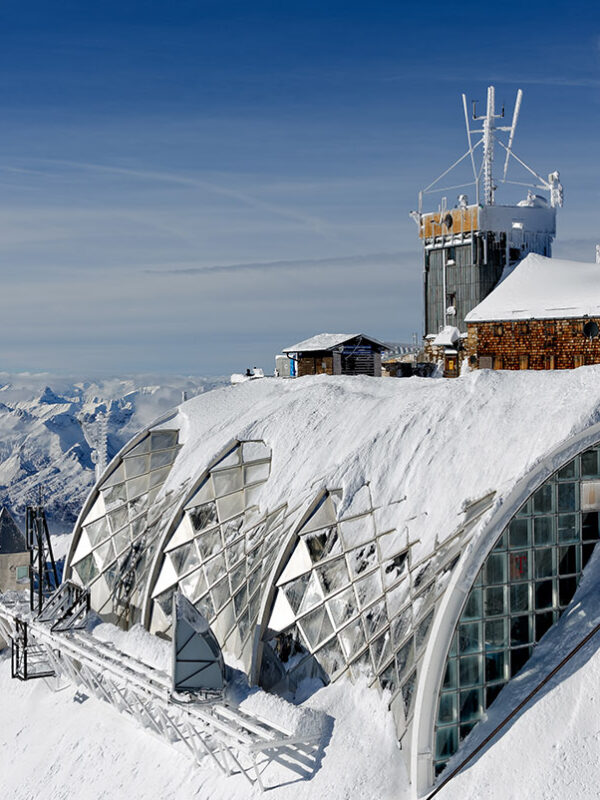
53,430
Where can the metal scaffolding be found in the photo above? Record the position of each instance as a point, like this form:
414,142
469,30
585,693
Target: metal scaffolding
216,733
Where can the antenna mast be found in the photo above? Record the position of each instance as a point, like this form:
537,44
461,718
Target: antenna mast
489,126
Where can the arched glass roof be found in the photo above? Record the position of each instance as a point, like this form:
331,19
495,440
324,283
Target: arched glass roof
321,524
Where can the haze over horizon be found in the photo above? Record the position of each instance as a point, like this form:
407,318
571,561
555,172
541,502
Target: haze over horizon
190,188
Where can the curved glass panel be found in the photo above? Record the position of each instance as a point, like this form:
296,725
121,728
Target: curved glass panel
352,599
524,585
118,536
222,551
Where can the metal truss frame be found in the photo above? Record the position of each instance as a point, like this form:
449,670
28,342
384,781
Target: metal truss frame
215,732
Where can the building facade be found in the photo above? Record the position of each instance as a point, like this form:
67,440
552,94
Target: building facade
544,315
469,248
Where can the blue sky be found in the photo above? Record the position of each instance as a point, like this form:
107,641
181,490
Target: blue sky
189,187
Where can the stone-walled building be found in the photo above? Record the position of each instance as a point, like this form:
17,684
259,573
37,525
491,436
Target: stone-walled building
544,315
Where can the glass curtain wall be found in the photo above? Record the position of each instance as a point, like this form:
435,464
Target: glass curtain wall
524,585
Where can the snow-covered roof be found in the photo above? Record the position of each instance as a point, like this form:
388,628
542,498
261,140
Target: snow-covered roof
327,341
447,337
543,288
275,504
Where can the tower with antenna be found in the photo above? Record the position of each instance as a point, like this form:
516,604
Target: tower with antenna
469,247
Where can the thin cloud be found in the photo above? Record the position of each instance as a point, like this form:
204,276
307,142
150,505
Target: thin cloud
370,259
315,223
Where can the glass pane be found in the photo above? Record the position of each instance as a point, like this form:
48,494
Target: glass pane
518,535
448,708
568,471
543,530
450,676
568,530
162,459
492,692
334,575
567,560
589,526
473,607
543,563
203,516
494,666
227,481
352,638
495,568
589,464
518,565
469,637
332,660
566,590
135,466
494,601
230,506
567,496
495,634
423,629
470,705
543,499
519,597
405,658
161,440
543,594
543,622
446,742
518,658
520,632
256,473
469,670
343,606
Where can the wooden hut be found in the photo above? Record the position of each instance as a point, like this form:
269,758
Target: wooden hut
337,354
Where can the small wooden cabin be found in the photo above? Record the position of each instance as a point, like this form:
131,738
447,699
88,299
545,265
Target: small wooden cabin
337,354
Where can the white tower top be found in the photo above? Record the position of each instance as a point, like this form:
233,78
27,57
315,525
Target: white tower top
483,178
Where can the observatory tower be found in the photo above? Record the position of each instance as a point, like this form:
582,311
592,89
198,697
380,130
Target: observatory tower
468,247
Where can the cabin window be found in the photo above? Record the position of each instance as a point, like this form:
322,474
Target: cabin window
498,329
485,362
524,362
549,361
22,574
590,329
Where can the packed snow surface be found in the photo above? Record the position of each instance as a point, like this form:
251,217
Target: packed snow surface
543,288
427,448
66,746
